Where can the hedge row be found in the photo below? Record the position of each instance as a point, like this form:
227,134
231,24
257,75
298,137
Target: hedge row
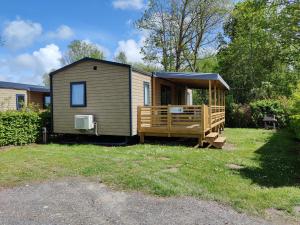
21,127
251,115
295,125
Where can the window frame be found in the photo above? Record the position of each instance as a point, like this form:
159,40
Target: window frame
44,101
146,84
84,94
17,105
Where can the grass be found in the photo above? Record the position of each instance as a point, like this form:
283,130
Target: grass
269,177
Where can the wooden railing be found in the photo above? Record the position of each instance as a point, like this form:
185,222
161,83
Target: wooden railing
217,115
173,119
179,119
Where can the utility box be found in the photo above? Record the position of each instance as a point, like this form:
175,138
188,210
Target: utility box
84,122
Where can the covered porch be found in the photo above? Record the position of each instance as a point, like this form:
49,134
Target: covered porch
172,113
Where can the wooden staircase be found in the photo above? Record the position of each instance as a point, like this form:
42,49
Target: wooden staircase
215,140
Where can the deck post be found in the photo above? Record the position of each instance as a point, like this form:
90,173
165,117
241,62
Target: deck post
219,99
209,102
142,138
215,93
153,91
203,122
139,118
169,120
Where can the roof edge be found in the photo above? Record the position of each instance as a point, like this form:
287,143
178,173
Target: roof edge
86,59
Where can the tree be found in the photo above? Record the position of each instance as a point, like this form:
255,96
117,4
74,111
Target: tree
79,49
258,55
46,79
178,29
121,57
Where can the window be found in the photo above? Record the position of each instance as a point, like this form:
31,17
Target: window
78,94
47,101
146,93
20,101
165,95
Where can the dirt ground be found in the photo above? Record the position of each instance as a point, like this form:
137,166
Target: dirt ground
79,201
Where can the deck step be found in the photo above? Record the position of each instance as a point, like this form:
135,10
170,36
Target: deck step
219,142
212,135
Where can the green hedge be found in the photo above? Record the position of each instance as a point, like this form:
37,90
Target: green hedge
251,115
21,127
295,125
261,108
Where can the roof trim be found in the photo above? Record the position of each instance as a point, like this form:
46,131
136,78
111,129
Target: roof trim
87,59
27,87
141,71
193,76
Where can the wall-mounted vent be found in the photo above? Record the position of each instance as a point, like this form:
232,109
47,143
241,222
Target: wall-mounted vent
84,122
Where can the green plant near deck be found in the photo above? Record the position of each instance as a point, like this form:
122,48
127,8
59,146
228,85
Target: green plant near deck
268,176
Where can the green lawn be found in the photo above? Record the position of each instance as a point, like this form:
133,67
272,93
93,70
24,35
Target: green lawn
270,176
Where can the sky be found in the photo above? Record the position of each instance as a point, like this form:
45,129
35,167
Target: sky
37,33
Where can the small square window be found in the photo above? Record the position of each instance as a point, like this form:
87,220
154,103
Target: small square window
78,94
95,68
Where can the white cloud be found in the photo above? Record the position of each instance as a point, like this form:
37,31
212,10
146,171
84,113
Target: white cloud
62,32
29,68
128,4
132,49
20,33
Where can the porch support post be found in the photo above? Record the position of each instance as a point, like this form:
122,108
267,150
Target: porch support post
215,93
209,102
153,91
219,98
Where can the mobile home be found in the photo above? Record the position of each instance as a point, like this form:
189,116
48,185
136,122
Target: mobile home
14,96
101,97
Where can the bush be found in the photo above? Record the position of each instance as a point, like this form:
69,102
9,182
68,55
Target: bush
295,125
238,115
267,107
251,115
21,127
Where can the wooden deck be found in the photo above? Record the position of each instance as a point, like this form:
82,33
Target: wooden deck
180,120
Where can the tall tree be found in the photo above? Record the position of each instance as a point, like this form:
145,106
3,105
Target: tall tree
178,29
121,57
258,55
79,49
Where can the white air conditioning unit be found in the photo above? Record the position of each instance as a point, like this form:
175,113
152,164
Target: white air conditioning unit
84,122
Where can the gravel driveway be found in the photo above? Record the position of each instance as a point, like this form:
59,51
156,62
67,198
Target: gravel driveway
78,201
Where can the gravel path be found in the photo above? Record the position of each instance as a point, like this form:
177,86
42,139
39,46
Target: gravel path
78,201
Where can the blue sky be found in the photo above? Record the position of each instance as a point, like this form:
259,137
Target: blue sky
36,33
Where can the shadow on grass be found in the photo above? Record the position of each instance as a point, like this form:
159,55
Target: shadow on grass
279,162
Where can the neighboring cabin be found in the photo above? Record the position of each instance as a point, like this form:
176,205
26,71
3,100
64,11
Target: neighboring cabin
109,91
14,96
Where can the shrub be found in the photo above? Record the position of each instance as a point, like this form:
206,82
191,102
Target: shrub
267,107
20,127
295,125
238,115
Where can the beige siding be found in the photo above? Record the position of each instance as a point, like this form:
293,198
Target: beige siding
137,93
8,98
107,98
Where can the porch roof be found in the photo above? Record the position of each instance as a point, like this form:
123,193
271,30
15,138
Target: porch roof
193,80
